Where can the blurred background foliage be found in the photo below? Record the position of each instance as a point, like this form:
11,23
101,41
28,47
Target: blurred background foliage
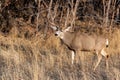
13,11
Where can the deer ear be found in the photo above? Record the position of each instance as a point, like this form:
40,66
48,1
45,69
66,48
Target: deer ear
69,29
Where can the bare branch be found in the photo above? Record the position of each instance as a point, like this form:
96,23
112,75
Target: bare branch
74,11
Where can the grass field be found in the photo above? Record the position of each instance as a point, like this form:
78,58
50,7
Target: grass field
39,59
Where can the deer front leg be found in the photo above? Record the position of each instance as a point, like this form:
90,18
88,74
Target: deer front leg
73,56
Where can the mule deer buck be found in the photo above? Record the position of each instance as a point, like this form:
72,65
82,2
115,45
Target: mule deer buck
77,41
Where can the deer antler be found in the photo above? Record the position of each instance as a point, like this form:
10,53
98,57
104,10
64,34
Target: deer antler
53,25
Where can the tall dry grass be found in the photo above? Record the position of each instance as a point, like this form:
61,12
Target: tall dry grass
39,59
47,59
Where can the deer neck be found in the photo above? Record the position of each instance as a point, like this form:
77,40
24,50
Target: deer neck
67,38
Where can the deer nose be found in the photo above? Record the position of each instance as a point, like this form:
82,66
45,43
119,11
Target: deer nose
56,34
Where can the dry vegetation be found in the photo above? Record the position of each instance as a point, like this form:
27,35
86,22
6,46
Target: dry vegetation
30,51
39,59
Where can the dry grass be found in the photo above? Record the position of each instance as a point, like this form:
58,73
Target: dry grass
39,59
32,57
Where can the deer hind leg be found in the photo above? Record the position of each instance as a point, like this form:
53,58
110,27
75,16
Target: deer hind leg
99,59
106,56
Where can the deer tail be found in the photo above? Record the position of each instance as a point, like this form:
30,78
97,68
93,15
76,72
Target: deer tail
107,42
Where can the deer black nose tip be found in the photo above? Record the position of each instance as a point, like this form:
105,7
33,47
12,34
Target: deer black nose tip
56,34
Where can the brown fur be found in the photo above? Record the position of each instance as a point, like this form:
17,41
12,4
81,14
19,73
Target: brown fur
77,41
